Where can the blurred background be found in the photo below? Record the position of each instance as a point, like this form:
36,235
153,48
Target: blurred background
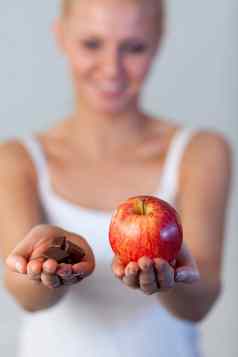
194,81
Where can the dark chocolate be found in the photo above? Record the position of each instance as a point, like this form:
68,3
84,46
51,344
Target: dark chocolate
63,251
75,253
56,253
59,242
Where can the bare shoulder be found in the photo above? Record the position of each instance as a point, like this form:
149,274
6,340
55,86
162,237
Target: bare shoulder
209,147
14,159
207,160
210,141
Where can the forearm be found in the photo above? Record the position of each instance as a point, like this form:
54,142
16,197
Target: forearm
29,295
192,302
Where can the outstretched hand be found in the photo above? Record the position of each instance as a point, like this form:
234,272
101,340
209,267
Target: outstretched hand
156,275
26,258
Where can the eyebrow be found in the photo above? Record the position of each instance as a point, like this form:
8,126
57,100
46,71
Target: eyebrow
100,37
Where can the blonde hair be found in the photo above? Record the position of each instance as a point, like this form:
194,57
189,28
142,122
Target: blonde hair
66,6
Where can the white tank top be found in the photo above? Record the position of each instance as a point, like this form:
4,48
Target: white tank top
100,317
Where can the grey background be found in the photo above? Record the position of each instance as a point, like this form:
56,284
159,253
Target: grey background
193,81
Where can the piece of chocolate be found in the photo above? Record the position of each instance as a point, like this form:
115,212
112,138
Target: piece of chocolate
75,253
56,253
59,242
63,251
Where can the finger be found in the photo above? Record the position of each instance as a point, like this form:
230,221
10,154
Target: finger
165,274
173,263
71,281
50,266
67,276
131,277
145,264
50,280
147,277
82,243
36,237
17,264
17,261
118,267
40,250
149,287
64,269
187,270
187,275
83,268
34,269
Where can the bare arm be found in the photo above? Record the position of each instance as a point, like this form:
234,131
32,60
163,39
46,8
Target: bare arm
189,289
21,225
205,187
20,211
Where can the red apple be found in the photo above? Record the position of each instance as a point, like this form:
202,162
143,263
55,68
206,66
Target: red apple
145,226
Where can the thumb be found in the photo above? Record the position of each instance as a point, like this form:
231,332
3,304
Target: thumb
118,267
18,259
187,275
17,263
186,266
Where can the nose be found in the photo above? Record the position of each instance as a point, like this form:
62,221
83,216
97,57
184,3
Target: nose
112,65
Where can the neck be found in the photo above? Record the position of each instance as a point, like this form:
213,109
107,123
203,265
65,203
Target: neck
102,135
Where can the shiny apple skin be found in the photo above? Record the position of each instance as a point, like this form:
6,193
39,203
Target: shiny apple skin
156,233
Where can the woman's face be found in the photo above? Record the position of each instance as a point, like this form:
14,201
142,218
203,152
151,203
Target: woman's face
110,45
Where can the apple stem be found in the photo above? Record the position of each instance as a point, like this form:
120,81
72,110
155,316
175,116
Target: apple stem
143,207
140,207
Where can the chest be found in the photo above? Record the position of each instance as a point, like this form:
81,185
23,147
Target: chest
104,184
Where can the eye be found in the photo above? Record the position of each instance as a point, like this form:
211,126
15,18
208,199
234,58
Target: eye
91,44
135,48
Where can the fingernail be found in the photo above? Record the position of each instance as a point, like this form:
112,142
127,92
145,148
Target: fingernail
180,276
48,271
188,277
33,273
64,273
132,271
19,267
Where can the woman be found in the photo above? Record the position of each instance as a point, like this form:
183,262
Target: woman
71,177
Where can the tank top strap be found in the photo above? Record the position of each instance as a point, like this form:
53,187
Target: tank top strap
35,151
170,174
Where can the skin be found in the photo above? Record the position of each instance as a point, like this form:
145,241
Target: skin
122,57
98,56
48,271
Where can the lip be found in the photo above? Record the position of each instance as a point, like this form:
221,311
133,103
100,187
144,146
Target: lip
111,92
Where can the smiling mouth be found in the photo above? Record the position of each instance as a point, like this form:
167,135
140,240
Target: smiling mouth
110,86
111,91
